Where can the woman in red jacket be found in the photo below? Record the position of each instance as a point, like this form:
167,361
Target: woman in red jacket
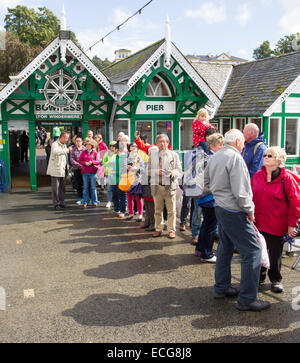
276,196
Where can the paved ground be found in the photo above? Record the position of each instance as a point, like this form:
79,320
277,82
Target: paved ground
84,276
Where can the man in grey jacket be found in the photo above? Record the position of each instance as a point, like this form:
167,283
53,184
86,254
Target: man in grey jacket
228,179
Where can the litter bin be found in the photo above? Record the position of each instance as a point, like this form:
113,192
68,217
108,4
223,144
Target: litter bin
4,183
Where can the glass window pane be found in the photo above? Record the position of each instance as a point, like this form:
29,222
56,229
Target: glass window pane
98,127
157,88
240,123
186,134
258,122
226,125
291,136
120,125
164,127
274,132
146,130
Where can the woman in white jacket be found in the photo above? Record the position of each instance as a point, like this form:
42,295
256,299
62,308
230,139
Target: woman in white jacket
57,170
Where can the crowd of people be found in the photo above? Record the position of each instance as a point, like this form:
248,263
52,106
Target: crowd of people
232,186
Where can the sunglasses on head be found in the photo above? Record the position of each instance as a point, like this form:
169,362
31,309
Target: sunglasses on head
268,156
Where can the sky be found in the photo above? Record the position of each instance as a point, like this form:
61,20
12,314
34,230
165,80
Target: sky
198,27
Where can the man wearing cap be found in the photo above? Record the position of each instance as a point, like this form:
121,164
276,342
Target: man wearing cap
108,161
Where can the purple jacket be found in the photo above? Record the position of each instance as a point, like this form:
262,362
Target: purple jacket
85,157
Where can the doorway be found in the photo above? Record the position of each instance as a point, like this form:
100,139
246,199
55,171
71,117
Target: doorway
19,157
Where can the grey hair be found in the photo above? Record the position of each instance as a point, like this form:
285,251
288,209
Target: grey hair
233,135
160,136
215,139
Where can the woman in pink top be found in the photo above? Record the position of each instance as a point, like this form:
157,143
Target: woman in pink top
90,161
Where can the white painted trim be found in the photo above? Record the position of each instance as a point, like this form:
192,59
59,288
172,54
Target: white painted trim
294,85
186,66
43,56
26,73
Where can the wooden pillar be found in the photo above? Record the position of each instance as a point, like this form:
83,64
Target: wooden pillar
266,128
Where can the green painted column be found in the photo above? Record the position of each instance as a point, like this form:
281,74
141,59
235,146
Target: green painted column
5,135
266,128
32,150
176,132
283,126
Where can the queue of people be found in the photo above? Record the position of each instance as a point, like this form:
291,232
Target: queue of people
231,185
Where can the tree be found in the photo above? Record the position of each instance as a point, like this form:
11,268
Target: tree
101,64
263,51
16,56
285,44
34,28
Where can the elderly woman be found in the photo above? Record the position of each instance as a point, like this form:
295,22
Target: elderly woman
90,161
207,203
276,197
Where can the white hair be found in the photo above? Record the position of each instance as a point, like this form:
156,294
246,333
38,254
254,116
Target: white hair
125,138
232,135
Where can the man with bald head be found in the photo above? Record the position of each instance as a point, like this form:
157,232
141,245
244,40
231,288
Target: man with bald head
255,146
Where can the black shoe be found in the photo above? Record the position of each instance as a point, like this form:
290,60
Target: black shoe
277,287
257,305
58,208
231,292
62,206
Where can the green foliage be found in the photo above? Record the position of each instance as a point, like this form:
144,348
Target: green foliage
283,46
263,51
16,56
34,28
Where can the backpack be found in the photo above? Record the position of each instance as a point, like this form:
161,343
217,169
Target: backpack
256,147
195,162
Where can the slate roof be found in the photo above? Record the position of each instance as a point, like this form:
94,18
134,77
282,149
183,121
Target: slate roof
216,75
256,85
123,70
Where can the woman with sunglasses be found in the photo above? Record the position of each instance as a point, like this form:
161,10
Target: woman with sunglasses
276,196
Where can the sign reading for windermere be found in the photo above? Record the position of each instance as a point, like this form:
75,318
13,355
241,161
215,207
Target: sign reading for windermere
48,112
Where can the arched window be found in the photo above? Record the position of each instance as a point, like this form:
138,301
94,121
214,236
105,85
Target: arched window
157,87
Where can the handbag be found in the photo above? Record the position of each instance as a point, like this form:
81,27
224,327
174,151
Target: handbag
136,189
288,203
127,179
265,260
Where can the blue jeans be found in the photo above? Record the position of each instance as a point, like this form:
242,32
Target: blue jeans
207,233
109,192
236,231
119,199
196,220
89,183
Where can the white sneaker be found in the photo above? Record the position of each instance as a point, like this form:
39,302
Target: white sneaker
209,260
108,205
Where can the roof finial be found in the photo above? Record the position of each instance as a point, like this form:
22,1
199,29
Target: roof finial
168,43
63,22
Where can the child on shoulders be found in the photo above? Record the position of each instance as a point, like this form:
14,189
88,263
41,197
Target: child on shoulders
200,125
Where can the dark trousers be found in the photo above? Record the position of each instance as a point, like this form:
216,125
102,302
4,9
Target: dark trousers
207,233
78,183
149,220
58,190
119,199
24,153
185,209
275,248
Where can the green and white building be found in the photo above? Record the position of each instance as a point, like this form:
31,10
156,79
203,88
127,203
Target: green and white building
155,90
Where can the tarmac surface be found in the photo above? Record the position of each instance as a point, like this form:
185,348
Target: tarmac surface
85,276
